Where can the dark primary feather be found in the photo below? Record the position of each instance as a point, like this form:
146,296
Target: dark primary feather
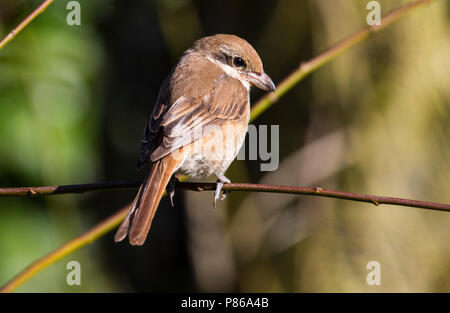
152,129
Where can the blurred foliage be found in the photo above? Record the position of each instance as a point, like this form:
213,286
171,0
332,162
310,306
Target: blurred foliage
48,130
74,100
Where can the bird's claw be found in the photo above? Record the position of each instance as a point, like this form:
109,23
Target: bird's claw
171,189
221,180
171,195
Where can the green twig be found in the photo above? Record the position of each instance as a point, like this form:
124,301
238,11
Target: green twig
307,68
25,22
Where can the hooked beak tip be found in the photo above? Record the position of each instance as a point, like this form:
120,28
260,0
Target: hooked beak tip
262,81
271,86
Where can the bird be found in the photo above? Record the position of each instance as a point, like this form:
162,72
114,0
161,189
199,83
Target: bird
198,124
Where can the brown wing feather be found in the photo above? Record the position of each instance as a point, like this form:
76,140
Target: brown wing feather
228,100
213,98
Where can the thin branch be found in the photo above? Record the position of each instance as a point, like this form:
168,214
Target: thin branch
195,186
25,22
111,222
55,190
318,191
262,105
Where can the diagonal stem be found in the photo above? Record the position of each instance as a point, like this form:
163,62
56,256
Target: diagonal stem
307,68
25,22
90,236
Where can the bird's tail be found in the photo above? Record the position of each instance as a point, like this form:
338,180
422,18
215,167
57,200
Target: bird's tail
139,218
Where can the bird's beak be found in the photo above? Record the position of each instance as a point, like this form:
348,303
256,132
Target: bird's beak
262,81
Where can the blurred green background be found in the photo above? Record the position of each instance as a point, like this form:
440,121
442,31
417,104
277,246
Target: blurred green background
74,101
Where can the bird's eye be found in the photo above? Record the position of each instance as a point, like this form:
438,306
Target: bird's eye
238,62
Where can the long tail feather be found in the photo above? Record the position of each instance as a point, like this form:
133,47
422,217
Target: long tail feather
139,219
122,232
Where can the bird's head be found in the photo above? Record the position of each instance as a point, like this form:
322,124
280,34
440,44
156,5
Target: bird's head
237,58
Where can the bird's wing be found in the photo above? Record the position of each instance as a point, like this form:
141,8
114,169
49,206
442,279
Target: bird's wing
152,132
180,123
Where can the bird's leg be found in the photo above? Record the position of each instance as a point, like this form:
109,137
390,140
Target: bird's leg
171,188
221,179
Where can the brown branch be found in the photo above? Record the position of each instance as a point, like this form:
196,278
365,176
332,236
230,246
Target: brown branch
55,190
112,221
25,22
310,191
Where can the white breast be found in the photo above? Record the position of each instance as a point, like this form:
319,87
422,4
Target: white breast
213,154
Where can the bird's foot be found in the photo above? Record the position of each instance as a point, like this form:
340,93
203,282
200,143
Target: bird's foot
171,189
220,181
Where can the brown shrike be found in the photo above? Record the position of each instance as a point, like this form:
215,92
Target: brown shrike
198,124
